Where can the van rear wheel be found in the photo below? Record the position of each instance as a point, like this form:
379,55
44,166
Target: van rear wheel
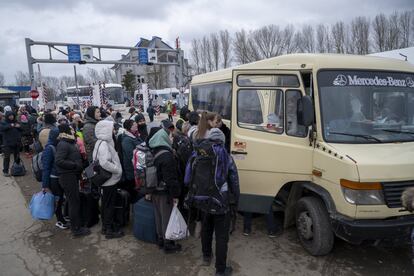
313,226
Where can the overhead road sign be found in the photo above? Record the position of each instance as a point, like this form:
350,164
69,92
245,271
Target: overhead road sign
74,53
143,55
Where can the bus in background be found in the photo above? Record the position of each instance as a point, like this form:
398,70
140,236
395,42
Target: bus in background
115,95
326,139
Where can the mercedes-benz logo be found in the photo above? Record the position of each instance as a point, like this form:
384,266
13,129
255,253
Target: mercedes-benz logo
340,80
410,82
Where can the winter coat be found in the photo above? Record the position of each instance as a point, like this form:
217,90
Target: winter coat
68,158
105,153
232,193
44,134
12,135
89,135
48,158
165,163
129,142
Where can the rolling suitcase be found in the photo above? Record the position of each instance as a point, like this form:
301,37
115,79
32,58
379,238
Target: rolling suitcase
89,206
144,221
122,208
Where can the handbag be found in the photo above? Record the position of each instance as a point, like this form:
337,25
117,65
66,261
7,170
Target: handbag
95,173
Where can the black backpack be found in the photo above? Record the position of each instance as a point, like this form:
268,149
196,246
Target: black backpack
208,176
183,149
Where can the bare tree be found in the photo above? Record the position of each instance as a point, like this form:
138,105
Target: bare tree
320,38
393,36
289,45
360,35
196,55
241,47
268,41
22,78
207,53
307,39
215,50
404,23
225,42
338,37
93,76
380,31
1,79
108,75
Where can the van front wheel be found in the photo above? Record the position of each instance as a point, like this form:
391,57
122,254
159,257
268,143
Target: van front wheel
313,226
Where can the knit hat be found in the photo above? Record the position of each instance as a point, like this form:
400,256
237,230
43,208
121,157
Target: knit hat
193,118
216,134
23,119
167,124
49,119
7,108
65,128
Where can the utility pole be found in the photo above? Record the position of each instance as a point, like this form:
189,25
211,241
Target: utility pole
29,43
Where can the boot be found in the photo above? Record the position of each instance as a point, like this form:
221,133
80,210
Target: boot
80,232
171,247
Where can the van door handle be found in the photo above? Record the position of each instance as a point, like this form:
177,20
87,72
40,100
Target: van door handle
238,152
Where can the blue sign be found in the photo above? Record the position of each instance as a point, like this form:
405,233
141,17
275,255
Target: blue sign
143,56
74,54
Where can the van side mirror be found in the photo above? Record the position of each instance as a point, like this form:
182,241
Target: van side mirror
305,111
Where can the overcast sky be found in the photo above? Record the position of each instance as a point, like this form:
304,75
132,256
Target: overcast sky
123,22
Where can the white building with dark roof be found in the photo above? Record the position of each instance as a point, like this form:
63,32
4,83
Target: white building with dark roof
158,76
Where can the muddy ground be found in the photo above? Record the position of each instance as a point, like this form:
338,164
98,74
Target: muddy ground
253,255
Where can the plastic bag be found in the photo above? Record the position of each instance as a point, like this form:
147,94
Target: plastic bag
177,227
42,206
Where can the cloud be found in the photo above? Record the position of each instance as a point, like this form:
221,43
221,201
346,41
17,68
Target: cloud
123,22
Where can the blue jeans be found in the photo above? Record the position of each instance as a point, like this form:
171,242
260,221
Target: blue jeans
273,225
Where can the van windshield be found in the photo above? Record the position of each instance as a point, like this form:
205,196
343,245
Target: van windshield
366,107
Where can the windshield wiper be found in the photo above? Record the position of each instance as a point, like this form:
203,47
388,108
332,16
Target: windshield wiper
398,131
365,136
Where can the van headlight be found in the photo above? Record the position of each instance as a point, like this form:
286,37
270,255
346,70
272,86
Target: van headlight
362,193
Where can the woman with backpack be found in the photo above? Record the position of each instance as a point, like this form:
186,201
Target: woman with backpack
69,166
213,189
168,188
105,153
50,178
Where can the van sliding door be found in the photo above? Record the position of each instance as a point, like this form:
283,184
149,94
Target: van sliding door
268,145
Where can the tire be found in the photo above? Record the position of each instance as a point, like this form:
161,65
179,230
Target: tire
313,226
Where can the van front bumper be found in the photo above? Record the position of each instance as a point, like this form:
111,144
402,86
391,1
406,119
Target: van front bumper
357,231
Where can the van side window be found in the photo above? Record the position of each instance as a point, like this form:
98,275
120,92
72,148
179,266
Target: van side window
214,97
293,128
260,110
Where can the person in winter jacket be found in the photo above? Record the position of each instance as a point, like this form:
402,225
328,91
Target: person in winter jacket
142,126
167,194
50,178
69,166
193,119
12,136
129,142
93,115
184,112
27,138
151,112
105,153
49,121
218,222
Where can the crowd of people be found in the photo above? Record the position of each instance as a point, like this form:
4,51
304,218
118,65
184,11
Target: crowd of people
70,141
